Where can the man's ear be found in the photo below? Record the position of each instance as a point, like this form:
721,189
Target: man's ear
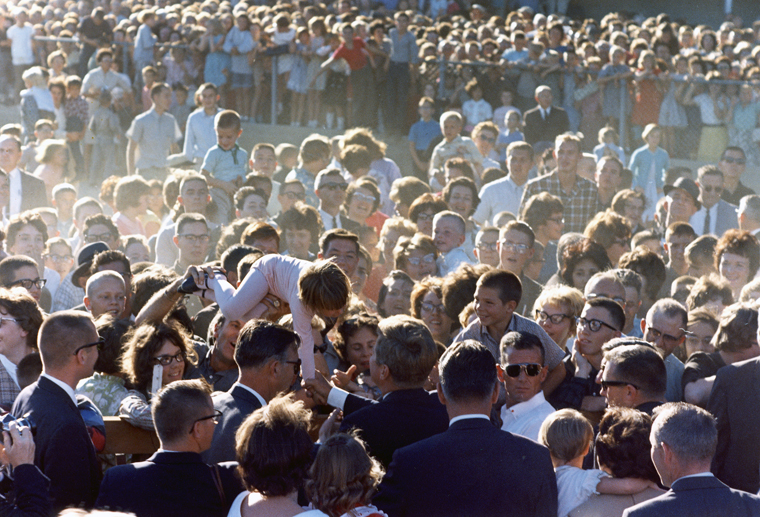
500,372
441,396
86,302
643,323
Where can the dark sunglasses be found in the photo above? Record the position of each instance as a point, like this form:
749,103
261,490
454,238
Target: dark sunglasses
296,366
99,343
215,417
530,369
611,384
738,161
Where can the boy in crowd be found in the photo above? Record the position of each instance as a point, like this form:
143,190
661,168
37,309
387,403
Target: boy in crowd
449,235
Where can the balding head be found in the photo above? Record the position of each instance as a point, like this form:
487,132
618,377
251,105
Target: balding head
105,292
606,285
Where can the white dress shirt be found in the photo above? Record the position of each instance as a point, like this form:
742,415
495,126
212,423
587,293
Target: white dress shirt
65,387
525,418
14,182
697,221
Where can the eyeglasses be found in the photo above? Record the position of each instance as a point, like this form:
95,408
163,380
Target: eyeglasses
98,237
432,307
99,344
558,220
28,283
3,319
59,258
593,325
611,384
486,246
365,197
195,238
296,365
425,217
488,139
622,242
554,318
518,248
530,369
166,360
666,338
737,161
427,259
334,186
295,195
710,188
215,417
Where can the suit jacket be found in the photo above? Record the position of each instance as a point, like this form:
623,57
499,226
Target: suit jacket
33,194
539,130
703,496
64,450
610,505
473,468
734,401
727,217
169,484
235,405
399,419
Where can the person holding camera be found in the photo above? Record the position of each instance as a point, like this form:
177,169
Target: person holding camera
30,486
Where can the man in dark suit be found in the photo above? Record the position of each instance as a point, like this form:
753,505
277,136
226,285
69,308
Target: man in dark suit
404,355
175,482
266,355
544,122
331,189
68,344
634,375
683,440
733,401
26,191
716,215
473,468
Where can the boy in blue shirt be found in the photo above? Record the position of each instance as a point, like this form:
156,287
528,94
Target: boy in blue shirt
421,134
225,164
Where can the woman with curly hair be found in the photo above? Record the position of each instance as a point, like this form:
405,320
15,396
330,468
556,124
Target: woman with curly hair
416,256
274,456
737,257
344,477
148,346
581,261
427,305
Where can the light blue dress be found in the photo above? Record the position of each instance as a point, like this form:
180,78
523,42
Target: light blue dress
215,63
297,80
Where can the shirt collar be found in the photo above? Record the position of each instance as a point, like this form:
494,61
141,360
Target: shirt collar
65,387
466,417
518,410
253,391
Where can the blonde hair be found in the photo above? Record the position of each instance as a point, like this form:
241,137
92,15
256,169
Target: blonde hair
343,475
48,148
570,298
567,434
324,286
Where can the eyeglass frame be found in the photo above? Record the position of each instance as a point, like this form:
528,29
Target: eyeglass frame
606,385
39,283
215,417
99,344
181,355
551,317
582,322
523,367
296,365
666,337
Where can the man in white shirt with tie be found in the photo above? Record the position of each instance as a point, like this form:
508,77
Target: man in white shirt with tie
331,190
26,191
716,216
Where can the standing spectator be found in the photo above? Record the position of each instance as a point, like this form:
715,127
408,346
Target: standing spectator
614,78
401,69
20,41
92,32
742,122
544,122
238,43
648,164
105,129
155,133
199,131
144,44
646,108
732,164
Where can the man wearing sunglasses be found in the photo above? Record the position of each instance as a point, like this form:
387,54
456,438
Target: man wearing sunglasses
602,320
732,164
664,327
633,375
716,215
522,371
68,343
331,189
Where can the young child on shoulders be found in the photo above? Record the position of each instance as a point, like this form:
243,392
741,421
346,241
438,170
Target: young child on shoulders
567,434
225,164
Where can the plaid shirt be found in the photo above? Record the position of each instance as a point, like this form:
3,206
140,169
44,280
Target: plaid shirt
580,205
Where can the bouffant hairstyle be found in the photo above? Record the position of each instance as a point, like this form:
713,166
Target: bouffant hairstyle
567,434
343,475
622,440
112,330
606,227
466,183
575,253
143,342
708,288
274,448
351,326
388,281
421,289
737,330
259,230
649,265
302,217
128,192
324,286
363,136
367,183
18,304
459,287
618,201
406,245
740,243
405,190
541,207
426,202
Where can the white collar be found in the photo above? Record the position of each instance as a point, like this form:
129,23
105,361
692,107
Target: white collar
9,367
65,387
255,393
466,417
518,410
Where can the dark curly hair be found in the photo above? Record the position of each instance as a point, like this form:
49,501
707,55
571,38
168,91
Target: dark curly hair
622,445
351,326
466,183
740,243
274,447
575,253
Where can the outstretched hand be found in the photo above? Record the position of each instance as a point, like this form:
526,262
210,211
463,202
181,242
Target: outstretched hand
342,379
318,388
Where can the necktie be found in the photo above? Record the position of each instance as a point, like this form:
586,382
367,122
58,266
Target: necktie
707,222
543,114
335,222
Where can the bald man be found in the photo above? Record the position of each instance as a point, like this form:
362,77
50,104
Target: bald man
105,291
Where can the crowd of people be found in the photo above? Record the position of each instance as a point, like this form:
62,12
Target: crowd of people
532,317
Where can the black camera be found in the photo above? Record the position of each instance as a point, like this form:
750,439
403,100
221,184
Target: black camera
23,421
188,286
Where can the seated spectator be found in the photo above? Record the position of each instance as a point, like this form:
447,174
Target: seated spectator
423,210
737,257
556,309
581,261
710,292
416,256
427,305
395,294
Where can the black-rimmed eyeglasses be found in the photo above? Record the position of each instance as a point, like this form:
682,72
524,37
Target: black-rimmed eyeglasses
99,344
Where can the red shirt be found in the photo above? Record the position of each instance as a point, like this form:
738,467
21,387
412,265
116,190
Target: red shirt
355,57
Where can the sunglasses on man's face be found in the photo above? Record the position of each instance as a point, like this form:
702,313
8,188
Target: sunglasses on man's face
530,369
